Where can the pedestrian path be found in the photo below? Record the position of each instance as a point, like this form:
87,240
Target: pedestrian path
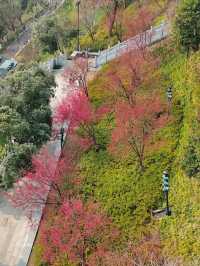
16,235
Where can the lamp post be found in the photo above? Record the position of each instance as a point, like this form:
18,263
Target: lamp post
169,94
169,98
62,132
166,191
78,2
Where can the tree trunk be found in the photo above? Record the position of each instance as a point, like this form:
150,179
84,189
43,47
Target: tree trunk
141,164
113,17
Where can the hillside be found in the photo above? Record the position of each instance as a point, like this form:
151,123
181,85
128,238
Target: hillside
125,124
127,195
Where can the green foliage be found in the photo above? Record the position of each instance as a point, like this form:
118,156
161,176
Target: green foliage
15,14
19,161
127,196
181,230
102,40
188,24
10,13
51,35
25,117
191,160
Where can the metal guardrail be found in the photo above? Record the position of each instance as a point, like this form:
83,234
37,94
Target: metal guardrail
147,38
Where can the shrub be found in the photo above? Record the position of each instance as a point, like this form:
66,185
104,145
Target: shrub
188,25
191,160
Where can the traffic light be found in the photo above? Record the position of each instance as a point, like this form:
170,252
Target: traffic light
165,181
169,93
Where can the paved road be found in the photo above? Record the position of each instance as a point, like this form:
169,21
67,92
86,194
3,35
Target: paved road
25,36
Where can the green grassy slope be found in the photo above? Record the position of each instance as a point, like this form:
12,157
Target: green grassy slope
128,196
181,233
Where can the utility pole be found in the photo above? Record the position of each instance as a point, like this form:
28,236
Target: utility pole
78,2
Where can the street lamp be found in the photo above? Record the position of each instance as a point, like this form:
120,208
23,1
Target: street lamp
166,191
62,132
169,94
78,2
169,98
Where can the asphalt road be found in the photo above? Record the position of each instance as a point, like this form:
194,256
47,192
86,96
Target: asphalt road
25,36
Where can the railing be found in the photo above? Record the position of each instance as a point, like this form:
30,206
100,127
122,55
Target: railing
51,64
147,38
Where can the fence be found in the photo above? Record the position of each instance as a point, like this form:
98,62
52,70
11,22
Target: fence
57,62
149,37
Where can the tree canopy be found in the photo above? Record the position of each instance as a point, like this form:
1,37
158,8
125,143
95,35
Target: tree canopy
25,114
188,24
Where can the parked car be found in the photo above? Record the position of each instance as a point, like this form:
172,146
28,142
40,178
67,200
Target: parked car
7,65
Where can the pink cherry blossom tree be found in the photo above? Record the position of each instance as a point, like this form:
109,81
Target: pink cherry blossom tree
77,75
43,183
136,124
78,231
81,116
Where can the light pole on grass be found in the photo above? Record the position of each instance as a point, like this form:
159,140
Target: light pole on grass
166,191
78,2
169,98
169,94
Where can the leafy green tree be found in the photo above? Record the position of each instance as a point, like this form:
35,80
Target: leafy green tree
25,117
11,123
28,115
10,13
18,160
188,24
51,35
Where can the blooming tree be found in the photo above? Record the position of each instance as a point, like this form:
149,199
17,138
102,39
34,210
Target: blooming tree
89,16
112,7
77,75
132,71
77,231
46,175
136,124
140,23
81,117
